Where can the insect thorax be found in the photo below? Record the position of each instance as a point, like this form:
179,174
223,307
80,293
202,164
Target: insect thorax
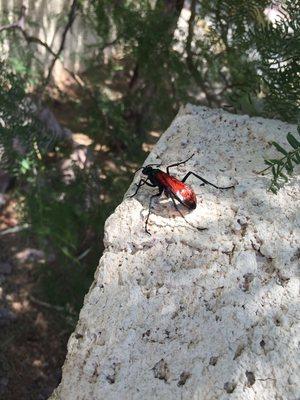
151,172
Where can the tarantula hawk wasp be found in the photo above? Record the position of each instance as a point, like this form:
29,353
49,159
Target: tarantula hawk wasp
172,187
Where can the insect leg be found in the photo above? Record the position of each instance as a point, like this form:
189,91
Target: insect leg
177,209
176,164
149,211
141,183
175,205
204,180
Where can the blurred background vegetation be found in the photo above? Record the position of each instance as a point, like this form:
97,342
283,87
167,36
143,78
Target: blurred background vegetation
81,105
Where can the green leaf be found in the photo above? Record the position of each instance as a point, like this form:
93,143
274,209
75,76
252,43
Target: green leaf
273,189
283,176
25,165
289,166
296,157
293,141
279,148
271,161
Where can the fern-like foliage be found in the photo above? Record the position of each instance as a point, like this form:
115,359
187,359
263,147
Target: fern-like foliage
22,138
283,168
278,46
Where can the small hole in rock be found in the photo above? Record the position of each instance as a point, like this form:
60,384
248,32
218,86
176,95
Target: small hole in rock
229,387
250,378
147,333
277,321
78,336
213,360
184,376
161,370
239,351
110,379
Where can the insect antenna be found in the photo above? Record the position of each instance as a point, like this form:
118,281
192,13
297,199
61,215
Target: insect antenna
137,170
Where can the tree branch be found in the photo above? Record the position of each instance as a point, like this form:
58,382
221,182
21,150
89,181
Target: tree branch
189,59
71,19
20,25
16,25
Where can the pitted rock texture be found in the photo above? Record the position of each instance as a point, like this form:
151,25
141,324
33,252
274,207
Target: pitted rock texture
188,314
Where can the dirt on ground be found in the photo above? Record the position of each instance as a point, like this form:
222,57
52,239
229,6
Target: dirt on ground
33,334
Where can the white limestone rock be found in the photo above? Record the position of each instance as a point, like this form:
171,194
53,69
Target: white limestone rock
188,314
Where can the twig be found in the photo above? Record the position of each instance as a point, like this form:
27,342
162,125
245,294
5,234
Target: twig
189,59
47,305
14,229
290,155
20,25
69,316
16,25
76,78
85,253
71,19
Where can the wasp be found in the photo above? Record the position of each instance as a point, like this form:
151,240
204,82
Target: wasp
172,187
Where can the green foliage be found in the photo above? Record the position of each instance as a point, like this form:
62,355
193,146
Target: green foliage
228,63
261,62
278,46
61,204
239,60
20,134
148,69
282,168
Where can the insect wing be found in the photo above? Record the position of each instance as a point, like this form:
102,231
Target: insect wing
183,193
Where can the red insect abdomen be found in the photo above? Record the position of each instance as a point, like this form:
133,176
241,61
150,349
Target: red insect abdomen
187,196
180,190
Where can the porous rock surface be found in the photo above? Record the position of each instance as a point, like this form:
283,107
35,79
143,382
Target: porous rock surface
189,314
